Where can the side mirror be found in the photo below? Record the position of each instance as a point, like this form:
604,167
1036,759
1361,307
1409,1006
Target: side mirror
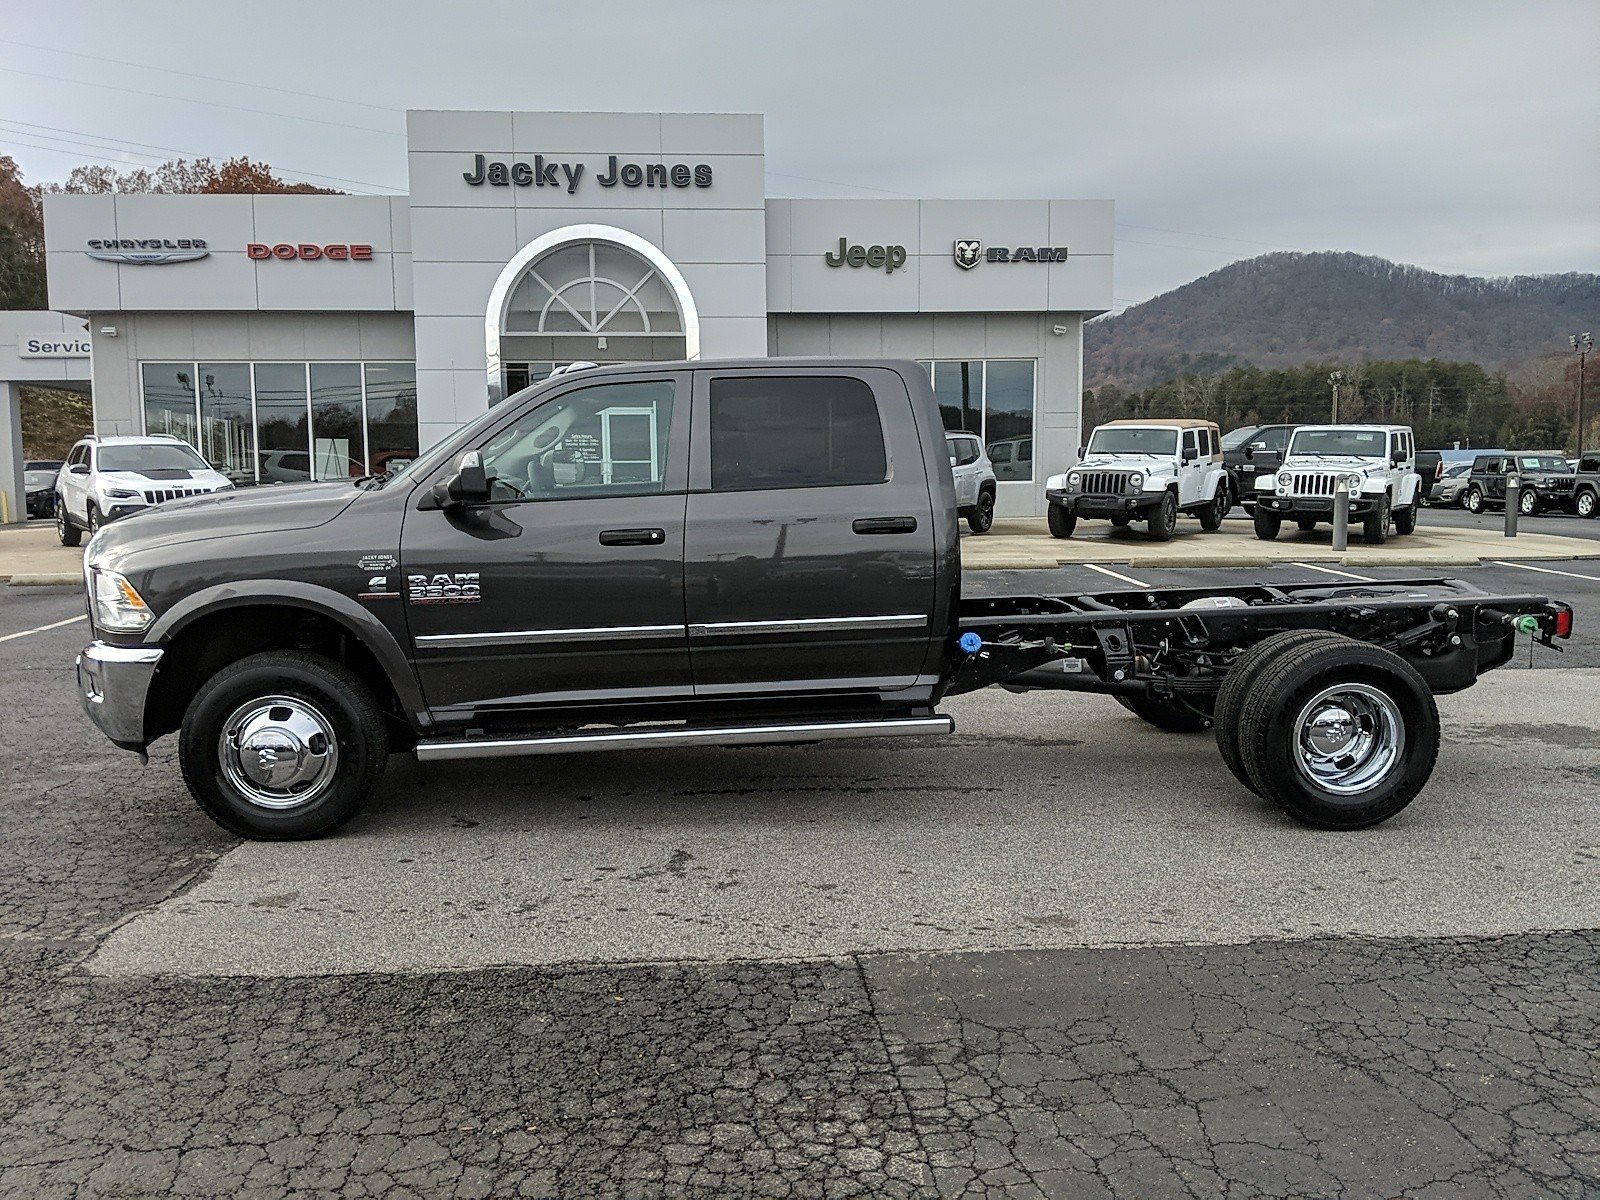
1249,451
953,460
1397,458
1080,453
78,469
1189,456
469,485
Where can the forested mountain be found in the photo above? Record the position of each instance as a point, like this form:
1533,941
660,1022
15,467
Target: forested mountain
1283,310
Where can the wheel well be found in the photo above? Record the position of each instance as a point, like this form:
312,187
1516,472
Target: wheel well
211,642
987,488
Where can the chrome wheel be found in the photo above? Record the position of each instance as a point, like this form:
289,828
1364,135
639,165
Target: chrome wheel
1348,738
278,752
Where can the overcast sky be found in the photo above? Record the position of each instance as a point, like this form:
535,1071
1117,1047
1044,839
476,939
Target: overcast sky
1458,136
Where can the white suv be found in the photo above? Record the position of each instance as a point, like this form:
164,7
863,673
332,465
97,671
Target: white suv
975,482
1144,470
110,477
1378,464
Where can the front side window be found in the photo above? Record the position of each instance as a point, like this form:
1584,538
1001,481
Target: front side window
609,440
1236,439
1590,462
795,432
1190,449
1131,439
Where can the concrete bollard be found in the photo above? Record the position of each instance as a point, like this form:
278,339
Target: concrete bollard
1341,515
1513,488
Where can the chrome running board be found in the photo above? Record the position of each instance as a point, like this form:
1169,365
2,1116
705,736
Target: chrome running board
680,735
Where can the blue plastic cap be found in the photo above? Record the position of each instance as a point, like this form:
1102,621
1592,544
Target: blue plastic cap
970,642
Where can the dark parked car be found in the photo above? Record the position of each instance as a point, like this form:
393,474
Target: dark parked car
1250,451
1586,486
39,480
1430,468
1546,483
586,568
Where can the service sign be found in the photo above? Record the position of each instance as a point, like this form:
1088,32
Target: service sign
59,345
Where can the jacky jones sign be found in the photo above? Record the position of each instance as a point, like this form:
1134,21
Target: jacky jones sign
542,172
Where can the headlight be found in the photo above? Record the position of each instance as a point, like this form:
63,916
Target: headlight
121,494
1136,481
1282,482
1354,482
1072,481
117,607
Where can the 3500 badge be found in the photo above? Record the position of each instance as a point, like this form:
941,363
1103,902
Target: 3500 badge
458,588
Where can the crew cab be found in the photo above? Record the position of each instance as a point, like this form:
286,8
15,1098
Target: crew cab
1374,464
710,553
1143,470
1544,481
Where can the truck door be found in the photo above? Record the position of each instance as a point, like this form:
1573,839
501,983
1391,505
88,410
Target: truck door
1497,480
1190,468
810,561
567,587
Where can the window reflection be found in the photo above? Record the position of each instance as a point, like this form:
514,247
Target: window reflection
169,400
993,398
283,427
226,428
338,444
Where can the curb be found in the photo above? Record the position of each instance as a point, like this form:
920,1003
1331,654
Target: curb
47,579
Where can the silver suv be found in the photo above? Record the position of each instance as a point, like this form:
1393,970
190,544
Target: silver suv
975,480
111,477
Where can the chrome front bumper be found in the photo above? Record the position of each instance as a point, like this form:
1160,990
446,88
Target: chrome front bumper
113,682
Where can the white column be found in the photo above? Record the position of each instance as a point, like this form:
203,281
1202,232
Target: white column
11,480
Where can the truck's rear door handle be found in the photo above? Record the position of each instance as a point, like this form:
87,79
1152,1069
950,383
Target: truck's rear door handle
885,525
632,537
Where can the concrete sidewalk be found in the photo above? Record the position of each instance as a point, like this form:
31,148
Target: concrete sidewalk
1022,543
32,554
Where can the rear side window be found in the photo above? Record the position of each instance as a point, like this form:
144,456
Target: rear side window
788,432
965,450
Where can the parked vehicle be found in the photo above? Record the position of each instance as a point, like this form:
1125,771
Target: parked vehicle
1544,483
974,479
1249,451
1430,470
1143,470
757,575
108,478
39,486
1452,486
1012,458
1586,486
1377,464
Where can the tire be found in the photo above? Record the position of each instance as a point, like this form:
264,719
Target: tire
69,533
1211,514
1305,524
1586,505
1168,715
1163,519
1120,522
1267,524
344,717
1375,525
1230,697
1528,503
1387,757
95,520
981,519
1062,523
1474,501
1405,519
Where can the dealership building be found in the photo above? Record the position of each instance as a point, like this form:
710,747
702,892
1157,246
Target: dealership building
293,337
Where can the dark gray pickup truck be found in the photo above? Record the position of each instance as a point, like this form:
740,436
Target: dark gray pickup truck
711,554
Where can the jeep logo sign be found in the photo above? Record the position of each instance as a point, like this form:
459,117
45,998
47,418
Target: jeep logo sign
887,259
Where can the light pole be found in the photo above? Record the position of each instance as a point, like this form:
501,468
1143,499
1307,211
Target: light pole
1337,379
1582,344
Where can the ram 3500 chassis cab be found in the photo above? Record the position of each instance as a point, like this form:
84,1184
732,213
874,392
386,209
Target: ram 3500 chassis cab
710,554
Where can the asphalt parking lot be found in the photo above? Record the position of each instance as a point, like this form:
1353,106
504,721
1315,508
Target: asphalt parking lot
1059,954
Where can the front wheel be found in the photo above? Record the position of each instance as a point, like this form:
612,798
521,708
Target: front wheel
1585,506
94,520
1405,519
69,533
1474,501
1340,734
1528,503
1163,518
1375,525
982,518
282,746
1062,523
1267,523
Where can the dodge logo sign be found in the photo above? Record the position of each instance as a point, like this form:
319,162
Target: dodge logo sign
968,254
307,252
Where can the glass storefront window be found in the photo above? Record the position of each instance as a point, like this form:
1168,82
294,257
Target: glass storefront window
169,400
959,387
338,449
283,429
993,398
391,416
227,431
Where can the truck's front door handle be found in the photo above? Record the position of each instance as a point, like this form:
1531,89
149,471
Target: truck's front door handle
632,537
885,525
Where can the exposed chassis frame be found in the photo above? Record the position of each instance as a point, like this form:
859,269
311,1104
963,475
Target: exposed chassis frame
1148,642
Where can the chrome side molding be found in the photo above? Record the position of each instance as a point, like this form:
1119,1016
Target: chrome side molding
679,735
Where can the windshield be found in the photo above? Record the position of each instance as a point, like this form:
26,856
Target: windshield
1542,462
1131,439
1354,443
1232,441
167,456
39,479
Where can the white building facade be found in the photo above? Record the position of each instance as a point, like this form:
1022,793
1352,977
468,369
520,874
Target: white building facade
293,337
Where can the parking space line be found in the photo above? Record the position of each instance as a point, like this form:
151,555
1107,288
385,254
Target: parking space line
42,628
1545,570
1113,574
1331,571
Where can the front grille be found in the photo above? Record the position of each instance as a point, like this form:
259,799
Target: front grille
1558,483
1104,483
159,495
1315,484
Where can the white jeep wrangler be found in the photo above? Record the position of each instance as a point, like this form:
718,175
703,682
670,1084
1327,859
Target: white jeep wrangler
1378,464
1144,470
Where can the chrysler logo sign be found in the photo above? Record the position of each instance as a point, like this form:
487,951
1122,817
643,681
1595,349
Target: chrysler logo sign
969,254
147,252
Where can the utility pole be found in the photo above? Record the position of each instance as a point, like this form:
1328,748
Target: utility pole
1337,379
1582,345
